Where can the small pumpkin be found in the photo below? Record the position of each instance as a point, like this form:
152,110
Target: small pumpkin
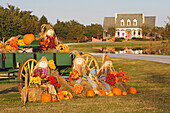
8,47
28,38
116,91
90,93
78,88
102,93
132,90
54,98
60,95
110,94
66,50
46,98
124,93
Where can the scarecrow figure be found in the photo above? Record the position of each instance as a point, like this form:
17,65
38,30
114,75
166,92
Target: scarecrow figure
104,70
49,36
80,67
42,71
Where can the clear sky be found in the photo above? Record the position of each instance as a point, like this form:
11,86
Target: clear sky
92,11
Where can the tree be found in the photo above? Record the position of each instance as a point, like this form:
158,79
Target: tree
93,30
76,33
14,22
167,29
62,29
43,20
111,31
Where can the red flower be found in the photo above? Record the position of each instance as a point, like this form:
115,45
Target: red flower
110,78
53,81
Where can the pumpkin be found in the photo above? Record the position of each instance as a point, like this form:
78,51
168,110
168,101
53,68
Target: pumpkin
102,93
132,90
124,93
116,91
78,88
66,50
90,93
54,98
28,38
110,94
61,96
46,98
8,47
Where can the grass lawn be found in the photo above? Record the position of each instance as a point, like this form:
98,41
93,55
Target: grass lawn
151,79
89,47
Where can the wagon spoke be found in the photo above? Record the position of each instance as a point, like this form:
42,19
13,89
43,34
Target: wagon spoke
22,74
90,63
29,71
87,58
32,66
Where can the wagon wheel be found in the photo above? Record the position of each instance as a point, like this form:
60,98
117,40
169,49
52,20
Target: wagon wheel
29,63
92,63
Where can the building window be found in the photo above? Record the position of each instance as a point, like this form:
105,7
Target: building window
122,22
128,22
138,32
118,34
134,22
134,33
123,34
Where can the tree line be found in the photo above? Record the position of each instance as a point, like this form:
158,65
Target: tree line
15,22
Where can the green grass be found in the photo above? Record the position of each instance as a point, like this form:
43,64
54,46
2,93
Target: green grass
88,47
151,79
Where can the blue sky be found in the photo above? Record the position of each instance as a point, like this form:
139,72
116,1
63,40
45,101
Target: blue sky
92,11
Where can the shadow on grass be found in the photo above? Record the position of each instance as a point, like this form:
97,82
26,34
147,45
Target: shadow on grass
12,89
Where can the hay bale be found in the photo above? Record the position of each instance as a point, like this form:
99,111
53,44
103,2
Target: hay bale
64,85
69,86
34,93
121,85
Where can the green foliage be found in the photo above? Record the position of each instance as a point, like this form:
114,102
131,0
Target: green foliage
43,20
111,31
71,30
93,30
14,22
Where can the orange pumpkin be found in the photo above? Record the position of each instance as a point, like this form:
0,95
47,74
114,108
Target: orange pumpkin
60,95
102,93
110,94
116,91
66,50
132,90
78,88
28,38
90,93
124,93
8,47
54,98
46,98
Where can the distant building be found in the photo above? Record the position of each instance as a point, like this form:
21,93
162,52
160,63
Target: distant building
128,25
